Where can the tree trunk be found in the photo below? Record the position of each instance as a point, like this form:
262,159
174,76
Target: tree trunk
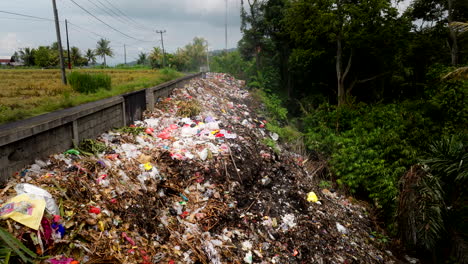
453,35
340,75
104,60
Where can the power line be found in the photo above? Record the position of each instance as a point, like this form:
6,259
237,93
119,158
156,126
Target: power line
17,14
128,17
128,36
100,8
25,19
121,18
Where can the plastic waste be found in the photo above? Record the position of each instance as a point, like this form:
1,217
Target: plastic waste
27,188
274,136
312,197
164,135
248,257
288,221
63,260
341,228
72,152
203,154
26,209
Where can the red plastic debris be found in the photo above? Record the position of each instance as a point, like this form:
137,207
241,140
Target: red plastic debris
149,131
94,210
124,235
184,214
164,135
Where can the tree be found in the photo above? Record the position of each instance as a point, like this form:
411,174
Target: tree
141,58
42,56
437,15
103,49
76,57
196,51
15,57
180,60
90,56
156,57
354,29
27,56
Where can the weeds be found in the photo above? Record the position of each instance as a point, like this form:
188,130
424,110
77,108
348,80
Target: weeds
188,108
89,83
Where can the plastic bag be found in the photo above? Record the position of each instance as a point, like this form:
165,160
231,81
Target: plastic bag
27,188
26,209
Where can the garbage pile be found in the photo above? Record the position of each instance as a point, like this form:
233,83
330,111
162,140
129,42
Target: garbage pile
191,183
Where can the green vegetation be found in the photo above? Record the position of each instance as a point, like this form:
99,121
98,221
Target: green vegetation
372,92
89,83
26,93
12,249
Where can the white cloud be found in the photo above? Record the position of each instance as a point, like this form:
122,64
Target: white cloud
8,44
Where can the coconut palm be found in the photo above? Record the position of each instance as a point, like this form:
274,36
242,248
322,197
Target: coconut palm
75,55
156,57
103,49
27,56
90,56
141,58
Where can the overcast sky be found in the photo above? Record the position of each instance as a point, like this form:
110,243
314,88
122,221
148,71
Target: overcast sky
182,19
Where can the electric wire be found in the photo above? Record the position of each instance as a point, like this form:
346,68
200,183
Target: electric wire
128,17
23,15
89,13
121,18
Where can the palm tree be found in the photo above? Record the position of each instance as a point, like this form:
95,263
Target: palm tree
75,55
141,58
156,57
27,56
103,49
90,56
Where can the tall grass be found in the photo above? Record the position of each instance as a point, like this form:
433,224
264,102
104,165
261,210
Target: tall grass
89,83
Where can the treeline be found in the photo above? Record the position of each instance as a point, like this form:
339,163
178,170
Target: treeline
189,58
381,96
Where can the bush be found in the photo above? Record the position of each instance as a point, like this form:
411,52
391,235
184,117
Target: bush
168,74
89,83
369,147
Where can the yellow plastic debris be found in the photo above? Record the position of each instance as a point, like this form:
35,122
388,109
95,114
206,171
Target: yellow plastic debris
148,166
312,197
25,209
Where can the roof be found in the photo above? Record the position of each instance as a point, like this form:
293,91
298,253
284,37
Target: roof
5,57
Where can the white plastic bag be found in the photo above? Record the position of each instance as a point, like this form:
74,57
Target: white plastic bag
27,188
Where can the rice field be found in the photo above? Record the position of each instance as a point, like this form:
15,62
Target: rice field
29,92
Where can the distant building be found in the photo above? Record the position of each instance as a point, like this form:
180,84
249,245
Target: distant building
8,60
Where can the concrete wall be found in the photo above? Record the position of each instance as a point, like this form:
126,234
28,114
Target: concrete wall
38,137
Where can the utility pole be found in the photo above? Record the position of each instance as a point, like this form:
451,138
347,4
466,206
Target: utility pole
59,42
162,43
207,58
68,45
125,55
225,27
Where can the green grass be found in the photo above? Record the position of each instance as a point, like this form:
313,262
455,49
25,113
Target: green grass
29,92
